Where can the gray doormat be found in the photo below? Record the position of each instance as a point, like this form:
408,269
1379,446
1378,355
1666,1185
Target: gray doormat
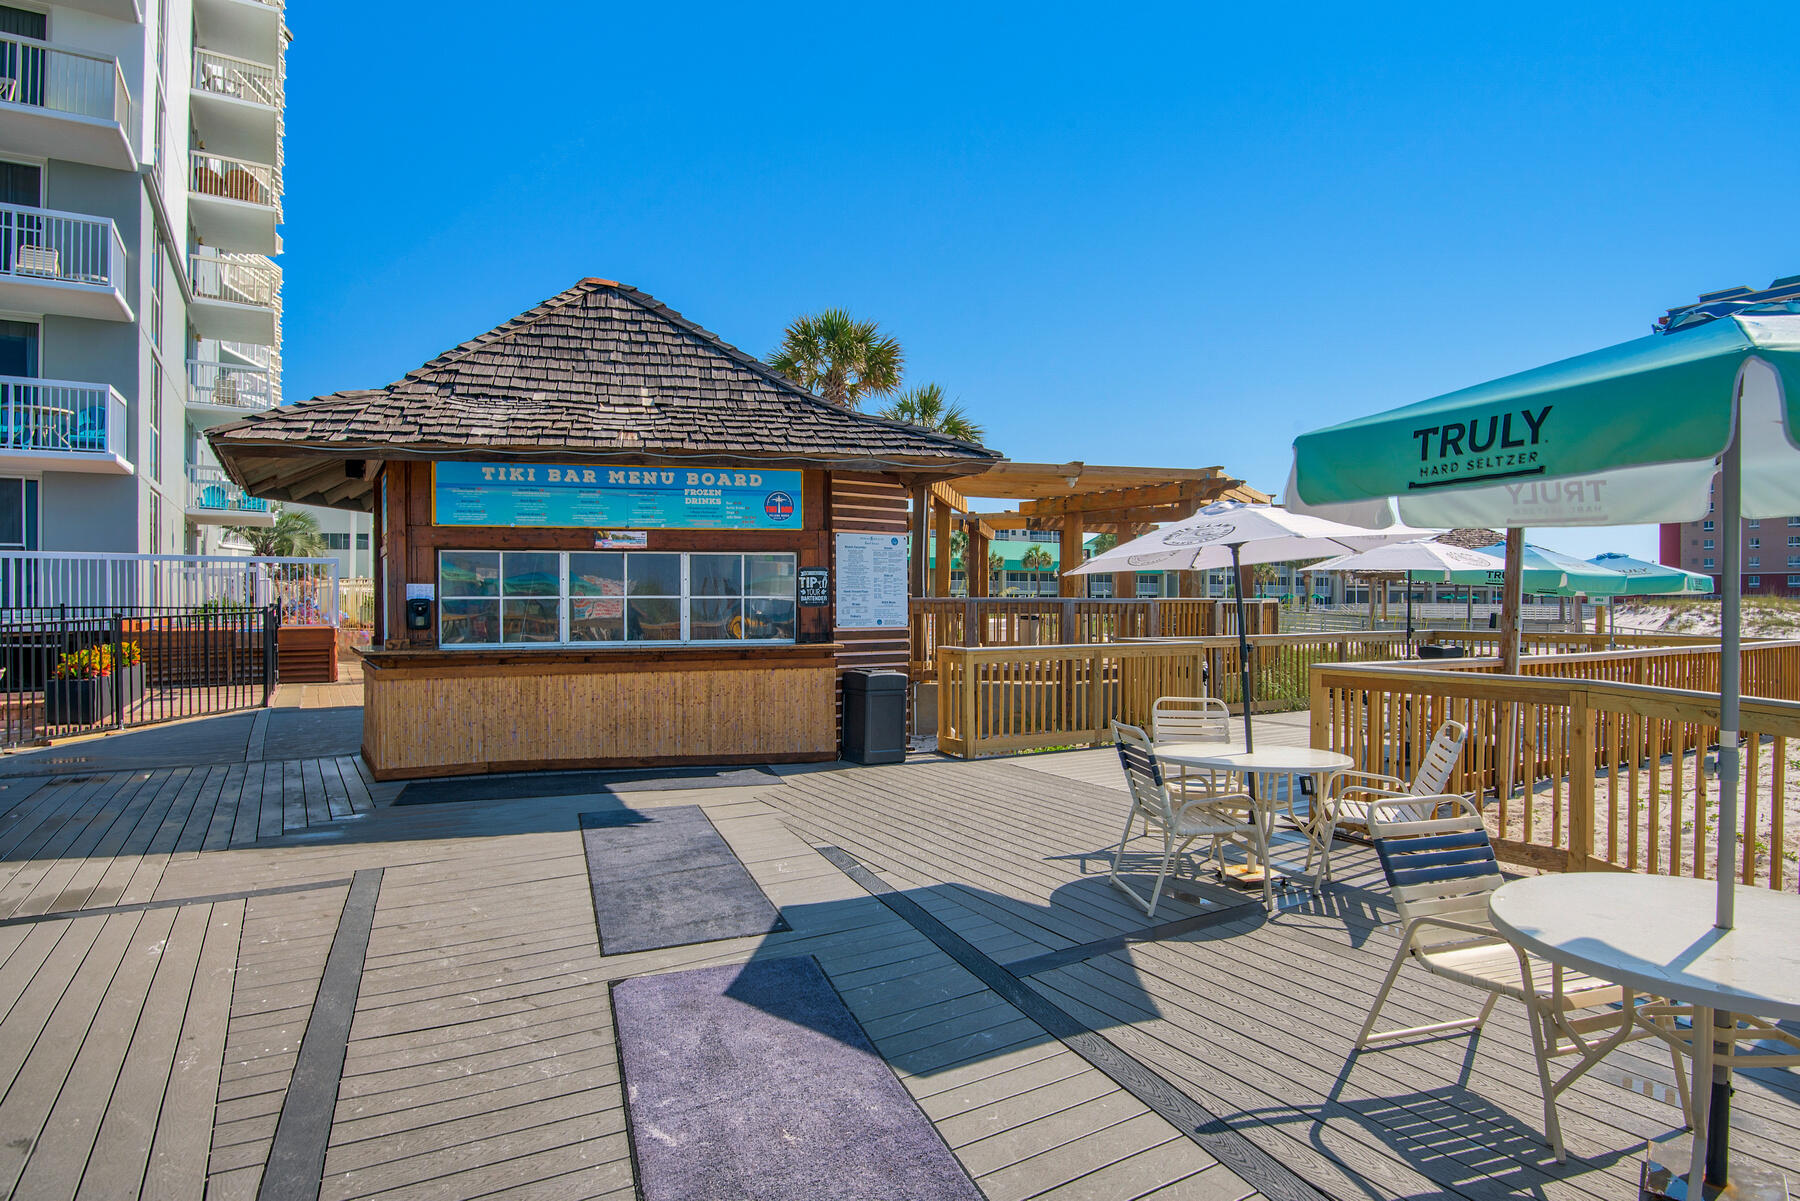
664,878
580,783
755,1083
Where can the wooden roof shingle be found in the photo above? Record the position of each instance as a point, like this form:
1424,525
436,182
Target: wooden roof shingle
600,371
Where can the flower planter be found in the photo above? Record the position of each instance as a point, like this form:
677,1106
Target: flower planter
78,702
132,684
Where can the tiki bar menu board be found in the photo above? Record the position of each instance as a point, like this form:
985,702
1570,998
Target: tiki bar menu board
667,498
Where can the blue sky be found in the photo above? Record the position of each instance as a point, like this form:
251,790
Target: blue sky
1176,236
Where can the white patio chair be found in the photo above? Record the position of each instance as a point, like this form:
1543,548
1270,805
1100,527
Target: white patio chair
1356,790
1181,822
1441,871
1194,719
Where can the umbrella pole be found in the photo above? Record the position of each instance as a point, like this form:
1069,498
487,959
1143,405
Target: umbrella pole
1409,635
1237,590
1718,1115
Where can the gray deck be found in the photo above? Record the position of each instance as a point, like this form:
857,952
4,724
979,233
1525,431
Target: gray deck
259,976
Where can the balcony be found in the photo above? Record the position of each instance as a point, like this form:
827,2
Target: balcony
234,203
214,500
219,392
59,425
248,28
236,297
63,103
236,105
61,263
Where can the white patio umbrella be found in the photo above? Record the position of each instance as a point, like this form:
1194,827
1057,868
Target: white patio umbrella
1631,434
1420,556
1231,533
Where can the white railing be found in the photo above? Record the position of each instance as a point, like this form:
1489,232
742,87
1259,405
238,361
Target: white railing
236,279
228,386
233,179
66,81
64,247
306,589
211,489
240,78
38,415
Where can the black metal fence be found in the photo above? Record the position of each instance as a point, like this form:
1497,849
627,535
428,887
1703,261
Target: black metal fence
72,670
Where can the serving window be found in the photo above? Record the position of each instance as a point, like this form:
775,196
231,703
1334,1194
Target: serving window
578,598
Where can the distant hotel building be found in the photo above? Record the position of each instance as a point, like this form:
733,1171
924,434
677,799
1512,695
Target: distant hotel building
1771,547
140,200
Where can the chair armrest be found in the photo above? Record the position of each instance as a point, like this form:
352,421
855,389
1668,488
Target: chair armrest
1228,800
1375,779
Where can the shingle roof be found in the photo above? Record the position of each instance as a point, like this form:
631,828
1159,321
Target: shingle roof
599,370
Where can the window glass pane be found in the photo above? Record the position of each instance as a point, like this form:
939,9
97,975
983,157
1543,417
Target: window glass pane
533,573
767,618
533,621
715,619
469,573
12,513
596,619
768,575
653,575
468,621
715,575
597,575
653,620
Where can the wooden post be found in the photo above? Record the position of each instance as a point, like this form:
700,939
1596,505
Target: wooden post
975,561
1070,558
921,526
1581,782
940,525
1509,601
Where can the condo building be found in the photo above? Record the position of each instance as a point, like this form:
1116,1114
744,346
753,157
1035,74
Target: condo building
140,208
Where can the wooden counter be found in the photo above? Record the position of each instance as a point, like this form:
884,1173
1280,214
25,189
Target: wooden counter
462,712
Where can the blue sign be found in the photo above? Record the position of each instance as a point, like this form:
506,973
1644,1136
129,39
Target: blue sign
657,498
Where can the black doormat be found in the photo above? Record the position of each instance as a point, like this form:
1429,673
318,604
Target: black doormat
580,783
756,1082
664,878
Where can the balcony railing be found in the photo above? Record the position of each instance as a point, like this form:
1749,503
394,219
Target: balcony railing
229,386
239,78
233,179
60,416
66,81
236,279
210,489
64,247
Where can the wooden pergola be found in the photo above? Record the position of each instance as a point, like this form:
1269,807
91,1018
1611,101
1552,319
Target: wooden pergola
1075,499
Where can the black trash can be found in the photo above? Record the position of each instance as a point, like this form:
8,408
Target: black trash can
1436,650
875,716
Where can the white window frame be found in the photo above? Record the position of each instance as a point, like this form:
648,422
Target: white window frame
1753,581
562,597
1707,564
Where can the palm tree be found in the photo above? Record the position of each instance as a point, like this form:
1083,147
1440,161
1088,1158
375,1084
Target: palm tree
1263,574
1036,559
839,357
996,569
294,535
927,405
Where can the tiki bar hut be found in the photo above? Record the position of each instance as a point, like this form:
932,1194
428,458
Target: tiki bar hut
605,538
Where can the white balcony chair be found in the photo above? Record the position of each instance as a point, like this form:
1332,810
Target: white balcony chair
1182,822
1441,871
1355,791
1194,719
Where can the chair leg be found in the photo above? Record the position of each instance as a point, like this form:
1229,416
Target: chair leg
1162,876
1123,839
1387,986
1540,1035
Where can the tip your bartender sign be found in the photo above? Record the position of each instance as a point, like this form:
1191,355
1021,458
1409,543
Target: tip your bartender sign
668,498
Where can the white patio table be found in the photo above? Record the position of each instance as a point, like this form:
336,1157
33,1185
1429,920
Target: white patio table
1655,934
1265,765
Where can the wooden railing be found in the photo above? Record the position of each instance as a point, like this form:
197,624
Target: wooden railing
1591,761
1487,642
1050,621
995,700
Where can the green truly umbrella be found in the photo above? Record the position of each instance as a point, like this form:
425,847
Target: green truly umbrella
1549,572
1652,579
1630,434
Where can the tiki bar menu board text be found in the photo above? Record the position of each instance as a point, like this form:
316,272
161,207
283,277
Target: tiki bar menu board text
667,498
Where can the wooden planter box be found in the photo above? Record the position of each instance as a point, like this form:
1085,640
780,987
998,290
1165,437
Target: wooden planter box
78,702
